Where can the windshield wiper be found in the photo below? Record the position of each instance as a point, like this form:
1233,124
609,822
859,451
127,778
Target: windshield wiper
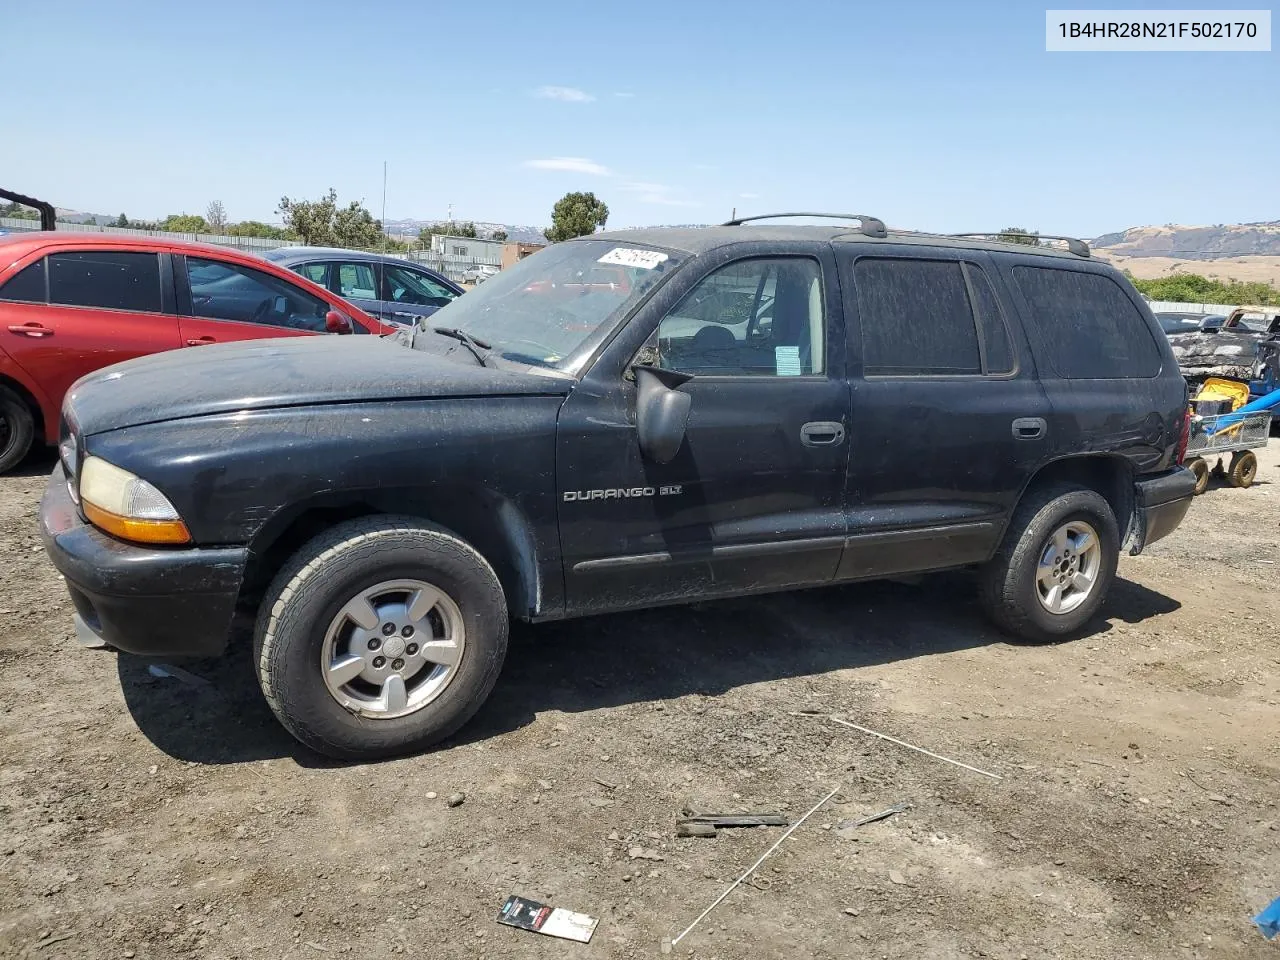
478,347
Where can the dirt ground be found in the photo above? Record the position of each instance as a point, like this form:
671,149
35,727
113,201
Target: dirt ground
1136,816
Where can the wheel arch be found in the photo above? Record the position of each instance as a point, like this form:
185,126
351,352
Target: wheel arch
24,393
1110,475
490,523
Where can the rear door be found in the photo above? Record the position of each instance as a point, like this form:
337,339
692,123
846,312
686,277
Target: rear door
220,301
948,419
358,281
88,308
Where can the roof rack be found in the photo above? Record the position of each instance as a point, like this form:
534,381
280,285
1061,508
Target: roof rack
1076,246
867,226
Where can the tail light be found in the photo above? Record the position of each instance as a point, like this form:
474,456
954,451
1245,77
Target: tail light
1184,436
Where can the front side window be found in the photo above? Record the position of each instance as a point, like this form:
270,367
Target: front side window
229,291
751,318
404,285
916,318
1090,328
105,279
27,285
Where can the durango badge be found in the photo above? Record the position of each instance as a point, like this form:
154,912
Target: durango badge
617,493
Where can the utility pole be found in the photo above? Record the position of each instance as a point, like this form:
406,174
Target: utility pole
384,205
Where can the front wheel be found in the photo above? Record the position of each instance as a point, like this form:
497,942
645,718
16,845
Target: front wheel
1055,565
380,637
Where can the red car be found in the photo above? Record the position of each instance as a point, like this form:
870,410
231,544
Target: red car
71,303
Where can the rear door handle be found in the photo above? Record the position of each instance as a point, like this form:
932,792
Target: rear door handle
30,330
200,341
1029,428
822,433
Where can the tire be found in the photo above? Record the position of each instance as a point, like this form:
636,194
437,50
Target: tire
17,429
1243,469
1201,471
379,557
1011,586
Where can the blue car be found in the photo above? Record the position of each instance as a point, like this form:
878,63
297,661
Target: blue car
397,291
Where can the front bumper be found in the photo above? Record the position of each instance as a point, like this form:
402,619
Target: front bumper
1159,504
153,602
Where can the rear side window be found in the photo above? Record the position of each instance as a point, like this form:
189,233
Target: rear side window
995,336
1090,328
915,317
27,285
105,279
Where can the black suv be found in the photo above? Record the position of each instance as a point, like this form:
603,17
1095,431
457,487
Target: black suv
624,420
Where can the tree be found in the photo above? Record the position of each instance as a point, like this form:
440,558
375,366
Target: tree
122,221
576,215
216,214
1028,238
499,235
184,223
321,223
255,228
1193,288
19,212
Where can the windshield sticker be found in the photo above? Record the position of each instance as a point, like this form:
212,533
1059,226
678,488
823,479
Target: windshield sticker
626,257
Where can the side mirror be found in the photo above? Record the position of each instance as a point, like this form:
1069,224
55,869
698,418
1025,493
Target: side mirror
334,322
662,411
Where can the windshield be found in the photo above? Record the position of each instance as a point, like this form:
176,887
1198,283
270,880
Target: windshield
544,308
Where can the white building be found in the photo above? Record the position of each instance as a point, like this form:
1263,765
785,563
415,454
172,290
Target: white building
469,248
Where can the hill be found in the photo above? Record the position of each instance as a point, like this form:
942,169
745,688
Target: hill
1193,242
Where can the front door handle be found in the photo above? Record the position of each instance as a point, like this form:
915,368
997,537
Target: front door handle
200,341
822,433
1029,428
30,330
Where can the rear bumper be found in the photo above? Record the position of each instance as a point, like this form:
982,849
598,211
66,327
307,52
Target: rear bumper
137,599
1159,504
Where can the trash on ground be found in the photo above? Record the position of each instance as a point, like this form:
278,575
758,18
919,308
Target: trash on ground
844,827
457,799
1268,920
752,869
552,921
706,824
901,743
640,853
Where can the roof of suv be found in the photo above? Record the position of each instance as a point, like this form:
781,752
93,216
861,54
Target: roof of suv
291,254
697,240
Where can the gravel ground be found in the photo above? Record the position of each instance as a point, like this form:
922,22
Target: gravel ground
1136,815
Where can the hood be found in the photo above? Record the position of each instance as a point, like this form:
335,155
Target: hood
287,372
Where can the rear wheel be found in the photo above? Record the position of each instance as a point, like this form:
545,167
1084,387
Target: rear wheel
17,429
1201,471
380,637
1243,469
1055,565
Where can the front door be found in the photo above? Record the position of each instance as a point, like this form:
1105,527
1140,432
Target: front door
949,419
754,498
220,301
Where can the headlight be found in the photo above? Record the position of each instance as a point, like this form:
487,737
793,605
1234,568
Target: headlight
128,507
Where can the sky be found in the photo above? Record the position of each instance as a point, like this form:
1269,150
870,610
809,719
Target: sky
942,116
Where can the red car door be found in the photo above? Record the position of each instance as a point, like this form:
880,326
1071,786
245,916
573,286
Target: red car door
103,306
224,300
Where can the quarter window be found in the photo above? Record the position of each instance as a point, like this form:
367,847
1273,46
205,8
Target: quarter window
750,318
105,279
26,286
228,291
1090,328
916,318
